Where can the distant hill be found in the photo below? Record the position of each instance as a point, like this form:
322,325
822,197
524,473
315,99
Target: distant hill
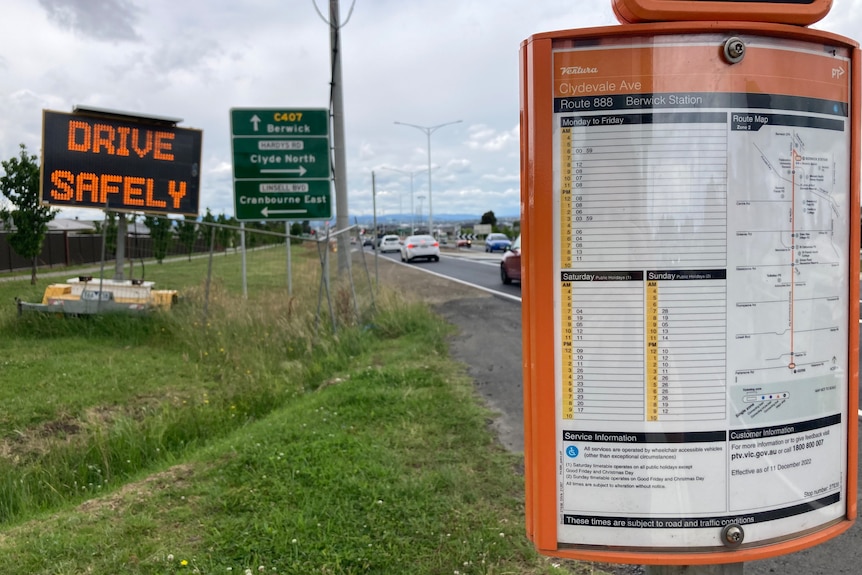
438,218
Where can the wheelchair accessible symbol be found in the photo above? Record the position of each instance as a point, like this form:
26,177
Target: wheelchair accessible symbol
572,451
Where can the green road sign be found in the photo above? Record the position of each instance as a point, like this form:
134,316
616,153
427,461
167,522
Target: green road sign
281,165
282,158
258,200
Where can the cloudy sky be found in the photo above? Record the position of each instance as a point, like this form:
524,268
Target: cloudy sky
424,62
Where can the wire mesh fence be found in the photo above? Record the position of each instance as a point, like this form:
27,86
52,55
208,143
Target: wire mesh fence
254,259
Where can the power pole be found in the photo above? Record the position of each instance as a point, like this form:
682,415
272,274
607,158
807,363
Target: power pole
342,219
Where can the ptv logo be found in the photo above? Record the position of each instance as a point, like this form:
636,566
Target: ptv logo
837,72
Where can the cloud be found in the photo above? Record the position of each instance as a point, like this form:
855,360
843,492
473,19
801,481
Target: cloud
485,138
112,20
458,166
21,121
221,168
426,62
501,178
367,151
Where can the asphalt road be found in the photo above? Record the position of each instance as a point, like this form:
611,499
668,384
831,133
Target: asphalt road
489,343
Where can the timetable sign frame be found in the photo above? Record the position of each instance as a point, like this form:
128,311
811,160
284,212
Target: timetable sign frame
691,290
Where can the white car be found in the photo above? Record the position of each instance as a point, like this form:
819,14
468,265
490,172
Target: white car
389,243
420,247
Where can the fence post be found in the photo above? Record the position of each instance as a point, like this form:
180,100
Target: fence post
289,268
209,275
244,268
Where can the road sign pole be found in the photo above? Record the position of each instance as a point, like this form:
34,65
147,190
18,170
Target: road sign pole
244,268
289,267
122,232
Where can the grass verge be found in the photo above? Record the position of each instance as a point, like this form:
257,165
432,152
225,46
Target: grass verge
252,441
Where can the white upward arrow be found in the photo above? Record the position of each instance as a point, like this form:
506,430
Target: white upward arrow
255,120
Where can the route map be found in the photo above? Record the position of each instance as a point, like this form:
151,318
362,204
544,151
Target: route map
702,265
795,322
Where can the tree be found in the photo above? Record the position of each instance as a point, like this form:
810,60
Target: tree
489,218
20,184
224,234
188,233
295,232
207,229
161,233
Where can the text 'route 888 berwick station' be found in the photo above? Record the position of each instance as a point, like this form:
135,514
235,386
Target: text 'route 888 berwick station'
113,160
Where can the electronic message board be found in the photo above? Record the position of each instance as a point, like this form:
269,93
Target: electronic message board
93,161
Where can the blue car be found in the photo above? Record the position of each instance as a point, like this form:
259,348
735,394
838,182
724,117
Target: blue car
497,243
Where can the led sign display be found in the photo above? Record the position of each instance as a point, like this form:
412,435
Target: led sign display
122,165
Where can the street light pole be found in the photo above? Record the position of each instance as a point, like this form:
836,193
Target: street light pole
412,210
420,210
428,131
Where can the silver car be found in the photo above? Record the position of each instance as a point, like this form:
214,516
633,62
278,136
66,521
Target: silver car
389,243
420,247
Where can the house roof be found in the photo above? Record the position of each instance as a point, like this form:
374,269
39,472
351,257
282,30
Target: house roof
67,225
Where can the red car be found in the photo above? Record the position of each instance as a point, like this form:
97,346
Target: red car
510,265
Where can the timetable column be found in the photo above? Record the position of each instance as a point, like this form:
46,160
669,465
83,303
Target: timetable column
652,350
567,335
630,184
687,311
605,351
565,196
565,242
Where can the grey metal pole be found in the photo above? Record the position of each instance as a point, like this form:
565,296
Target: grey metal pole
209,276
428,131
412,212
244,268
289,267
412,209
122,232
421,198
374,219
342,219
430,208
326,283
725,569
104,250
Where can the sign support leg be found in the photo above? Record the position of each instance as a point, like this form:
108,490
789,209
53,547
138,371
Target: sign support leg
289,270
122,232
244,264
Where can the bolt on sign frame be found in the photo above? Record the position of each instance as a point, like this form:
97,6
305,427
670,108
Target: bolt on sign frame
690,227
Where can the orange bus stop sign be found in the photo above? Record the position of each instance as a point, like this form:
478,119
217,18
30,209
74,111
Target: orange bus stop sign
799,12
690,219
